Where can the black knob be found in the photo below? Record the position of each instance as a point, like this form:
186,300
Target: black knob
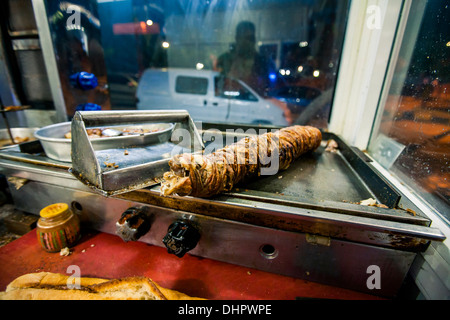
180,238
133,224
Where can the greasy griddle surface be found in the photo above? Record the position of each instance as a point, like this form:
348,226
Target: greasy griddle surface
316,176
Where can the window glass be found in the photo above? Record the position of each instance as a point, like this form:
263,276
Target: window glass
228,88
264,46
192,85
413,136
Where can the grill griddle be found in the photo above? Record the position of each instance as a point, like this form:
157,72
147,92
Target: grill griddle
320,180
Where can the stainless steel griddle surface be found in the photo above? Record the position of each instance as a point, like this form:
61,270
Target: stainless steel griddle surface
313,178
316,176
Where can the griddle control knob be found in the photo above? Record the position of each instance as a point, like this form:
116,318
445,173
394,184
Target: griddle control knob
133,224
180,238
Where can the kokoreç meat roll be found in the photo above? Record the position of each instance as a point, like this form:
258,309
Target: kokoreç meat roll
204,176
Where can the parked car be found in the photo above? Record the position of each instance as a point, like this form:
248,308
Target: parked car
296,97
207,96
122,90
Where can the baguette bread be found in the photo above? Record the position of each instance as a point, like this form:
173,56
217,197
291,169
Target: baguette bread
54,286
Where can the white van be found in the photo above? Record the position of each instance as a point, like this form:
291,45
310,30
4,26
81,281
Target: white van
207,96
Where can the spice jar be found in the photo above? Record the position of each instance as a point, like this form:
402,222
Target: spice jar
58,227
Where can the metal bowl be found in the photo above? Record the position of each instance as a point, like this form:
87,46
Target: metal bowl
57,147
16,133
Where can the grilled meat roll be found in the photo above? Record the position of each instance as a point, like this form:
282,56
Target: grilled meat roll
207,175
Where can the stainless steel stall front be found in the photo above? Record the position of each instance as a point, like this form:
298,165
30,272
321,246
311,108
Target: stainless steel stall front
306,222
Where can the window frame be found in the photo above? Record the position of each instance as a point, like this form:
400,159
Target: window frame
365,73
431,268
359,89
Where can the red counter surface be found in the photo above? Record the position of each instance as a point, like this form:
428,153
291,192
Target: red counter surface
107,256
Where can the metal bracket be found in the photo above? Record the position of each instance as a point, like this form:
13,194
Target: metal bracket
144,161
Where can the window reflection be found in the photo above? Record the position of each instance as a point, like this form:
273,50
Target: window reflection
228,88
416,115
245,63
191,85
261,47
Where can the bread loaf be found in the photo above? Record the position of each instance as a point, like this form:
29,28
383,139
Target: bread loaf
54,286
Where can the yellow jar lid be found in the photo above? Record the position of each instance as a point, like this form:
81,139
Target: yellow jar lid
53,210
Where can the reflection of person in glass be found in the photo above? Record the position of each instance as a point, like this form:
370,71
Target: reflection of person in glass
244,62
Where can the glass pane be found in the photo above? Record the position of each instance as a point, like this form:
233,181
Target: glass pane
232,89
413,138
191,85
77,41
246,51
